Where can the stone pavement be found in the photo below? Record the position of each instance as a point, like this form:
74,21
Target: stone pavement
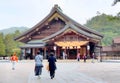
68,71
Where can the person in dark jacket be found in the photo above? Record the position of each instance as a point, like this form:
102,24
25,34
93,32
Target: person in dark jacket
52,65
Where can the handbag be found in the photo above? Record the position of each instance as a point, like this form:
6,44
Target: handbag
47,67
41,65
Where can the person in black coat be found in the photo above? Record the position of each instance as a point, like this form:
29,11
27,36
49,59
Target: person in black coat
52,65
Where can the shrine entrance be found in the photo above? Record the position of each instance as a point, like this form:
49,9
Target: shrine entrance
71,48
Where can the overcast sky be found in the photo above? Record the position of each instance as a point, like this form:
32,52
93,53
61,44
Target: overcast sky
17,13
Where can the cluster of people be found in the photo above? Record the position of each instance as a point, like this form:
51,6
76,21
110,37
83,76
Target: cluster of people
39,65
51,62
84,57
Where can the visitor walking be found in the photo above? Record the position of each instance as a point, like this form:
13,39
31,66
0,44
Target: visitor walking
38,64
64,55
14,59
52,65
84,57
78,57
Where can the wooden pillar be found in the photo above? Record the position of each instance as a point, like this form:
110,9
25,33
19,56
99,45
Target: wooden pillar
58,52
100,55
68,53
78,50
45,53
25,52
33,52
22,53
100,51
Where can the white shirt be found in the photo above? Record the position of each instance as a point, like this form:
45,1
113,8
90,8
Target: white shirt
38,60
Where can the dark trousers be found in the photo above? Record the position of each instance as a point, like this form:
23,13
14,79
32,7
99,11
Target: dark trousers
52,73
84,60
38,70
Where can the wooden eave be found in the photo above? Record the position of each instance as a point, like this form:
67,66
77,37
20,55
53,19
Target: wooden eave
65,30
24,37
72,27
34,28
79,25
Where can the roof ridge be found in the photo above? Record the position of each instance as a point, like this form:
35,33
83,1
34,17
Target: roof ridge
56,8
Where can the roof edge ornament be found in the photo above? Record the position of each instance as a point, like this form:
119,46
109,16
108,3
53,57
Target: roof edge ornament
56,7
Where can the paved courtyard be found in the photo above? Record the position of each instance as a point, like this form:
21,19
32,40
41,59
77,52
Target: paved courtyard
69,71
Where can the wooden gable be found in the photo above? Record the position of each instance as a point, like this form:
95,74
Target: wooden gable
69,35
53,24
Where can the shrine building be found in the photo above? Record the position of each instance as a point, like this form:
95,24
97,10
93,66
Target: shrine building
58,32
112,52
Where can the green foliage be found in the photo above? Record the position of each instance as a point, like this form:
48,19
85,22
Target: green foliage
2,46
8,45
108,25
12,45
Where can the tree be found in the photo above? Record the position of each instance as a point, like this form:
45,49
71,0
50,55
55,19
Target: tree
115,2
16,33
17,44
10,44
108,25
2,46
